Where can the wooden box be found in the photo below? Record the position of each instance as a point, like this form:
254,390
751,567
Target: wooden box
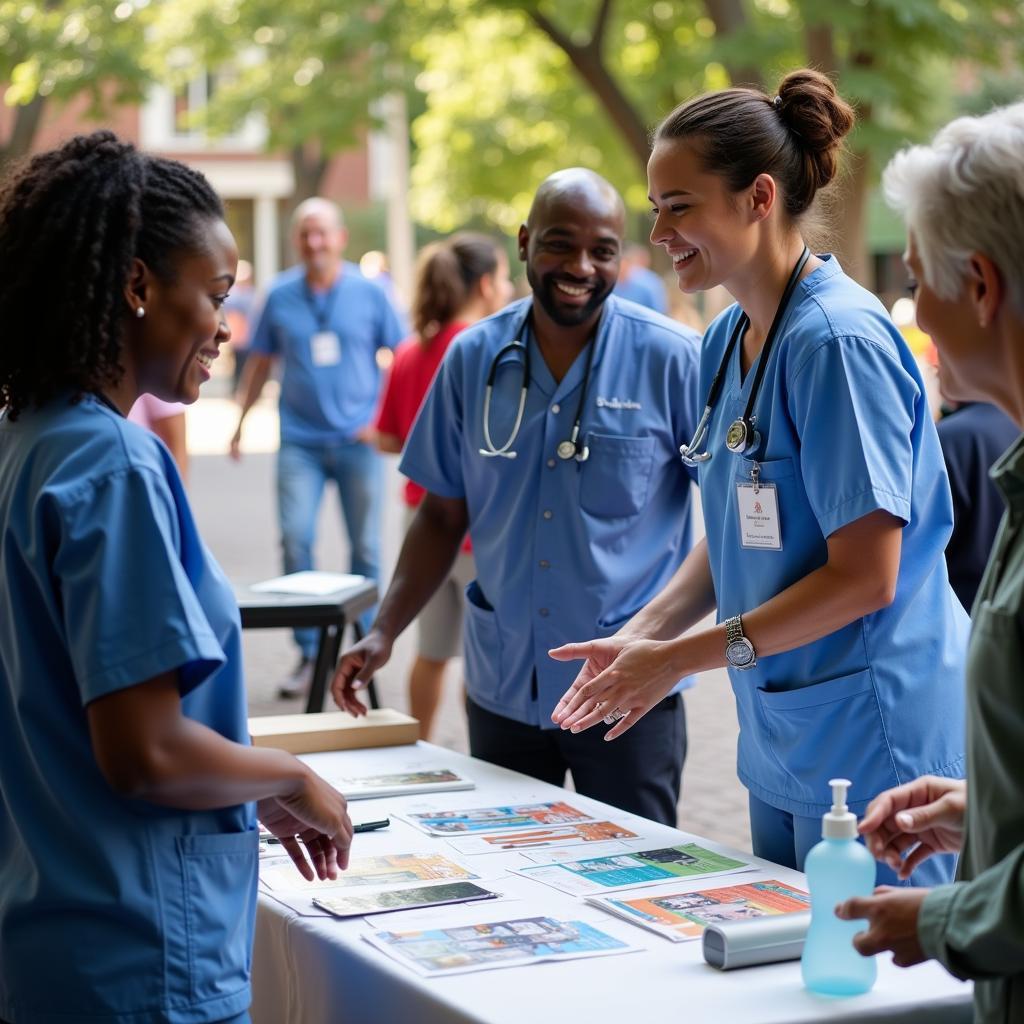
333,730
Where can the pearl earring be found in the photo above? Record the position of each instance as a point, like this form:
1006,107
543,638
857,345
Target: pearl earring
140,312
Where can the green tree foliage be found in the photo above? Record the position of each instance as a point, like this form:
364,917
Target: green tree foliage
52,51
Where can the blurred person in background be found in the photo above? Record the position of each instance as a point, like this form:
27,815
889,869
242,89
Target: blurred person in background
238,309
167,421
129,791
458,281
973,435
325,322
963,200
637,282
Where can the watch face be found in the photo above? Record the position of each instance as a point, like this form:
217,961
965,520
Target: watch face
739,653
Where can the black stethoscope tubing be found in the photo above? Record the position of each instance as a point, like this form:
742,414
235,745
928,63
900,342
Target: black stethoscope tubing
746,421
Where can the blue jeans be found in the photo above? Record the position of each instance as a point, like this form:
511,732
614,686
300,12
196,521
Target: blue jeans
787,839
302,472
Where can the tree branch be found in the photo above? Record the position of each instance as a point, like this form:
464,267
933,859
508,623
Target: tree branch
591,68
597,34
730,16
23,132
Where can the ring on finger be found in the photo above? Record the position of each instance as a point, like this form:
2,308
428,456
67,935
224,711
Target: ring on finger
614,715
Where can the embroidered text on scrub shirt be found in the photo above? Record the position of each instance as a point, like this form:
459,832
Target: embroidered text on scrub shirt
617,403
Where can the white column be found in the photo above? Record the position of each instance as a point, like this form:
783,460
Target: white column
400,230
265,240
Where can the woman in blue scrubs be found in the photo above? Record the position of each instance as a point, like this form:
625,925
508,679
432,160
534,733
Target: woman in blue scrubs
128,789
826,504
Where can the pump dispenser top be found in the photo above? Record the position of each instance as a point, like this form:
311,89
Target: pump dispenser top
840,822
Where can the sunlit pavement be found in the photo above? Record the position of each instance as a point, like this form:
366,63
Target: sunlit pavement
234,506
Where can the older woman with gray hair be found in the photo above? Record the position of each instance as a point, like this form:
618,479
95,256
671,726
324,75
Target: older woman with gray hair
963,200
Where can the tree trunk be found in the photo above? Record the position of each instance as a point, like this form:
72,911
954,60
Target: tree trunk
23,131
309,164
729,16
850,192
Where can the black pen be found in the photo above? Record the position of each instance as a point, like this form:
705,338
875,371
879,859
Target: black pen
363,826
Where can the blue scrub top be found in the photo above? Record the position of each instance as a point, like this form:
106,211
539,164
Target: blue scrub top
111,909
564,550
846,430
324,402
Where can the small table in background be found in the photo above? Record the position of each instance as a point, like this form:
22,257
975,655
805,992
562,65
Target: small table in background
329,613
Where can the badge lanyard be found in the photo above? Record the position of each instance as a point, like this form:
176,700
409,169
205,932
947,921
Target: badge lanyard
325,345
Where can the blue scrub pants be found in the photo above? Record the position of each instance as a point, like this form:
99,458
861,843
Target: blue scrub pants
302,473
639,772
786,839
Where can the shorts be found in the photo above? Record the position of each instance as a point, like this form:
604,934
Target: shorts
440,622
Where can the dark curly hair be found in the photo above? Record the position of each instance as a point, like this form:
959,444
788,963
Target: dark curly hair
71,222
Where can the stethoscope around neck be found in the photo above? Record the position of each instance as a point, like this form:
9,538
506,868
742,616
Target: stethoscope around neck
742,437
571,447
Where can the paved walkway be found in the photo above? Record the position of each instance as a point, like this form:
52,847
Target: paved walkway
234,505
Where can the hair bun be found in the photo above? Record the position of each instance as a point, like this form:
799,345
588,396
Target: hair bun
819,118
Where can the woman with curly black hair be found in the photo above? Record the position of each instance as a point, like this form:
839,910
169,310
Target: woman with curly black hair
128,843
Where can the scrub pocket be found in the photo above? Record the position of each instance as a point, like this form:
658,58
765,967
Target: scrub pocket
219,874
482,642
615,478
829,730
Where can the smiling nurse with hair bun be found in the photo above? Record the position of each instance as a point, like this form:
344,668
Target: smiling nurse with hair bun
826,502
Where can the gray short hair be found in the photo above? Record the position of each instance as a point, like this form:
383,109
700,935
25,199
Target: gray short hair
964,193
317,204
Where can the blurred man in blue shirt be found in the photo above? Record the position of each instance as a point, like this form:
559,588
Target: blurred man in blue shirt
325,321
637,282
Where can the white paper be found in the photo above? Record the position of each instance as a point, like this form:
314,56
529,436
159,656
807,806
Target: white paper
387,871
310,583
400,783
592,835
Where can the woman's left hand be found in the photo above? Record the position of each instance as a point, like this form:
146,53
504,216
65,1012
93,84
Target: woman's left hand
621,674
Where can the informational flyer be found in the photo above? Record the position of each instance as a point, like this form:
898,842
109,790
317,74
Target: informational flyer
440,951
419,896
429,780
681,916
390,871
624,871
543,838
493,819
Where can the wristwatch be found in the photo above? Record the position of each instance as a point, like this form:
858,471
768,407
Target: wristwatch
739,651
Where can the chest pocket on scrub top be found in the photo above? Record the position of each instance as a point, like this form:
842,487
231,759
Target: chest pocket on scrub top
616,477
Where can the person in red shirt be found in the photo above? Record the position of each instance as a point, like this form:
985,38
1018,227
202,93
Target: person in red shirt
458,281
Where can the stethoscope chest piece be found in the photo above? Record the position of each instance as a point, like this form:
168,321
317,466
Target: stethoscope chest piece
565,450
741,437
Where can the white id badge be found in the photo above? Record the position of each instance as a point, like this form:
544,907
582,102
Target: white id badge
325,348
760,526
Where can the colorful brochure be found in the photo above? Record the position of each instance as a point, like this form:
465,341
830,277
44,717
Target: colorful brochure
627,870
493,819
392,871
542,838
363,904
680,916
436,952
427,780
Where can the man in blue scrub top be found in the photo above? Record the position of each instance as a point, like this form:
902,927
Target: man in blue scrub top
572,490
326,321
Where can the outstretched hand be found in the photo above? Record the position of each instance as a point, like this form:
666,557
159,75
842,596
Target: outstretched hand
908,824
622,678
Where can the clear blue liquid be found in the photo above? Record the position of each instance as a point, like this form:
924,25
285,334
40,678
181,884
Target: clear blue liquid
836,870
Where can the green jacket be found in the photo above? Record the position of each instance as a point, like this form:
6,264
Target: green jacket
975,926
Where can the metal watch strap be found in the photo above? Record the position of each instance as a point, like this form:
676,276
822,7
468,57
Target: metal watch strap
734,629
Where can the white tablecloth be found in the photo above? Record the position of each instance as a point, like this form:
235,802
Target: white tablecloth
313,970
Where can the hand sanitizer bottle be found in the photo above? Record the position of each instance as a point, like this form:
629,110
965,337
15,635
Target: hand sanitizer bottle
837,868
